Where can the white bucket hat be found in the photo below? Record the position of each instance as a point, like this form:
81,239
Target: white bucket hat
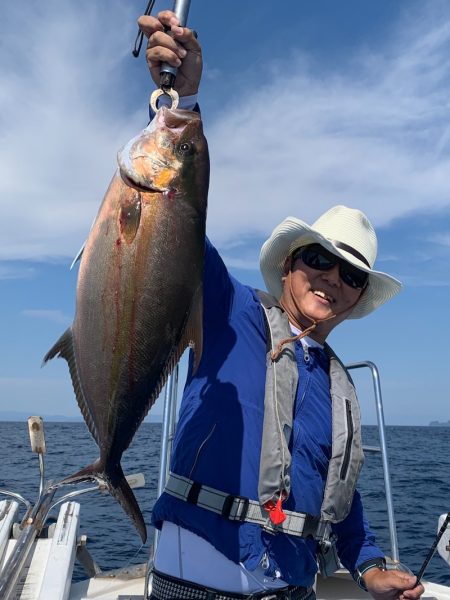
347,233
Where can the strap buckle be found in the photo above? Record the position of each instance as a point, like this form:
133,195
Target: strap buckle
242,505
310,526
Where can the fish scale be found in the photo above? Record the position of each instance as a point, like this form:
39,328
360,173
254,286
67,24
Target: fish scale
139,290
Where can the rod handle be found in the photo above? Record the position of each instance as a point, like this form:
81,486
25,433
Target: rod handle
167,72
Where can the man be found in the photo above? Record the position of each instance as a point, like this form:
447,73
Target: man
268,450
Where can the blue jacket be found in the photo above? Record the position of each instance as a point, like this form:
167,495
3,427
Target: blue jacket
218,437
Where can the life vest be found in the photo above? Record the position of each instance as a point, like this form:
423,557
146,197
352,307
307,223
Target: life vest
275,459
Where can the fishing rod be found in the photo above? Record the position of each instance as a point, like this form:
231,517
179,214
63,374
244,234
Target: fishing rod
432,549
167,72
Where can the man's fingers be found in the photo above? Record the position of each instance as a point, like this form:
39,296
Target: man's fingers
164,21
407,583
187,37
414,593
148,25
168,18
165,41
159,54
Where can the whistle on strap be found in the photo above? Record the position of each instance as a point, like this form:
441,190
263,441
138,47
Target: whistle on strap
276,514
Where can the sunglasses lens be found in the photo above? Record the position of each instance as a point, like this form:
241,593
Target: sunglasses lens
316,257
353,277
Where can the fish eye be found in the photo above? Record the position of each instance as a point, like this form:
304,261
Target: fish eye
186,148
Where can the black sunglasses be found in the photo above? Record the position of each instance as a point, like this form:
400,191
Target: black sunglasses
316,257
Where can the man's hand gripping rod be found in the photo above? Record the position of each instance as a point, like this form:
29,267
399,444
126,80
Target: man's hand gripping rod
168,73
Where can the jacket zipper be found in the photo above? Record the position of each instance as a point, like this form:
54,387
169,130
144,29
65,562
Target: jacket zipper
348,443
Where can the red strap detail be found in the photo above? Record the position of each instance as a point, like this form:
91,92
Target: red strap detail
276,513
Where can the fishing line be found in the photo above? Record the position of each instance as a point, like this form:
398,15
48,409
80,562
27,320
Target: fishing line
128,563
140,35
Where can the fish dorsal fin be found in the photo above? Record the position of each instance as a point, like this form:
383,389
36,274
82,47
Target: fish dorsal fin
193,332
64,349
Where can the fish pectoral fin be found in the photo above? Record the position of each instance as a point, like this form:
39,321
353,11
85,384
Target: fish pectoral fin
64,349
193,334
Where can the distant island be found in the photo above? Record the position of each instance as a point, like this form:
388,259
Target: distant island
439,424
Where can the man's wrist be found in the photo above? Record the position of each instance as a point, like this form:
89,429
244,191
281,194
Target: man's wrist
366,566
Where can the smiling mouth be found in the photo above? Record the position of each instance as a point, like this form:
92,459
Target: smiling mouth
321,294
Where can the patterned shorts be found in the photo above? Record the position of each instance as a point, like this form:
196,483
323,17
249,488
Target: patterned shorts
166,587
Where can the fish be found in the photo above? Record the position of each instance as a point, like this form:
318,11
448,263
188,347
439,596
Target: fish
139,297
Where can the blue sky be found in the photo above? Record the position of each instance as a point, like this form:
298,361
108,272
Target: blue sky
305,105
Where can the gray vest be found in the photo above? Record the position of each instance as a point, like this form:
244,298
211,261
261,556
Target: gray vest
275,460
281,384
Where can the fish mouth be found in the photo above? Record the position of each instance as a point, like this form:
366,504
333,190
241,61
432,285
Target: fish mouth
148,189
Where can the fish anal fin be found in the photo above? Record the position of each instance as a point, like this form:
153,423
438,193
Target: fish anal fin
64,348
193,332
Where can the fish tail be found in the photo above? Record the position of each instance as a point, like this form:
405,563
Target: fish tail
117,485
94,472
122,492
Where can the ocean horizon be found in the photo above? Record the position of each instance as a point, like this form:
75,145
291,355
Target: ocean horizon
419,463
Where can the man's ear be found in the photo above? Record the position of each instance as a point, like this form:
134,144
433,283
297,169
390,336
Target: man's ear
287,267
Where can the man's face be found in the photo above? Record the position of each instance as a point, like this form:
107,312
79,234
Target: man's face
319,295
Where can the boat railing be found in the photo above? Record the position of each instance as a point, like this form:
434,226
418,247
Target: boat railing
383,450
36,518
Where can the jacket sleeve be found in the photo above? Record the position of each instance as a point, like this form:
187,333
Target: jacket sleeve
356,542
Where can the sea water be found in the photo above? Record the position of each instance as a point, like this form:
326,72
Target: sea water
419,460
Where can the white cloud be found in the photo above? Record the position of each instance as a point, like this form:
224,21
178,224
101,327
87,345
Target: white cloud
62,119
442,239
55,316
375,135
16,271
249,264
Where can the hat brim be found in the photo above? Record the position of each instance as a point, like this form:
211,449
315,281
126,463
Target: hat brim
293,233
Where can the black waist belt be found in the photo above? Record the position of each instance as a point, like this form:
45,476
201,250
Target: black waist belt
166,587
237,508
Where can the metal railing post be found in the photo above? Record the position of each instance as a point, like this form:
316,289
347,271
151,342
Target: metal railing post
382,434
167,433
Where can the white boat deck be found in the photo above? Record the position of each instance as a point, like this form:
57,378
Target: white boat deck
47,572
339,587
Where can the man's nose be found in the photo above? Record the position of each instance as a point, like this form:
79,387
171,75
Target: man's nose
332,275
